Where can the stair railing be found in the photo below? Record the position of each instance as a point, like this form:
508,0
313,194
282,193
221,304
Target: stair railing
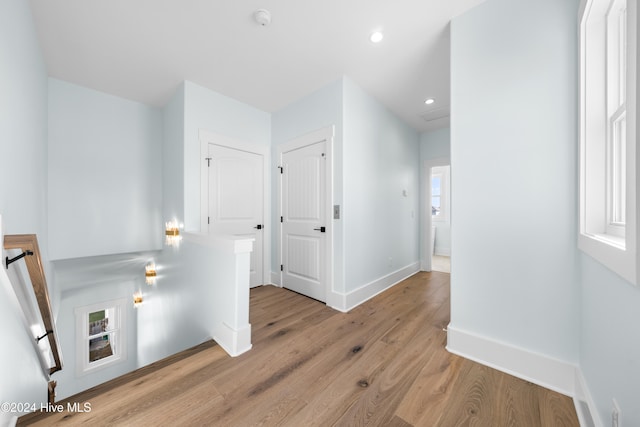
28,244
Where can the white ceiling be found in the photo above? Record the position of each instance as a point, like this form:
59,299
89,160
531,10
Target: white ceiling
143,49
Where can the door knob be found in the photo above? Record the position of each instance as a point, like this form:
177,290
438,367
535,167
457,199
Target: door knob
258,227
321,229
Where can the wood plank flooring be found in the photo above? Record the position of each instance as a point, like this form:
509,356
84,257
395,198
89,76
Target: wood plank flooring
382,364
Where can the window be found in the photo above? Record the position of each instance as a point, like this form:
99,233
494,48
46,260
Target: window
440,193
436,195
101,338
615,86
608,64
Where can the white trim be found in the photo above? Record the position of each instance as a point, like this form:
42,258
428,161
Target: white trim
234,341
83,366
350,300
275,279
582,394
207,137
592,206
337,301
554,374
233,244
443,252
425,217
326,134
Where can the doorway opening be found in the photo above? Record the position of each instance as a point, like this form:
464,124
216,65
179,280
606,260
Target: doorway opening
440,248
435,215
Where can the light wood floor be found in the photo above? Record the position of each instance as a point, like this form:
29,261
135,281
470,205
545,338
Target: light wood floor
382,364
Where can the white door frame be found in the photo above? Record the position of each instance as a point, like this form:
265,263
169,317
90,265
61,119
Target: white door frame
426,220
325,134
207,137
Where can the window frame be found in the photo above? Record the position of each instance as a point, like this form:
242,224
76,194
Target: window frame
437,216
616,110
118,334
444,173
599,235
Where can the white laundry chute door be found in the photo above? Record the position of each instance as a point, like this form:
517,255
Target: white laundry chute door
304,219
236,199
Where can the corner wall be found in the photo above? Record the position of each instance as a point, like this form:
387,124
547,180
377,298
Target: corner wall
381,196
610,327
514,158
105,173
376,162
209,110
315,111
23,189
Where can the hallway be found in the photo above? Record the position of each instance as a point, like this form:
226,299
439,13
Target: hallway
383,364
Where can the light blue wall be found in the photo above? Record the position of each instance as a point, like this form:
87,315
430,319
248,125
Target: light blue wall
435,144
105,200
211,111
513,157
609,344
105,166
173,158
183,307
23,128
101,288
320,109
23,186
380,161
179,311
376,157
610,328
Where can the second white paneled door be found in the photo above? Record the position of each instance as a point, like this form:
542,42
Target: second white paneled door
305,226
235,199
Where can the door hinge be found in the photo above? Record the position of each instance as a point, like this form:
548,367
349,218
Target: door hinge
281,219
208,159
281,169
281,267
208,220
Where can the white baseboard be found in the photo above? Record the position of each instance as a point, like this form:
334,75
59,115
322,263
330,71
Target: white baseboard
584,403
337,301
234,342
275,279
545,371
350,300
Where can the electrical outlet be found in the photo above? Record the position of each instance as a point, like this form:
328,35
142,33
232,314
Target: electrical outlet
615,415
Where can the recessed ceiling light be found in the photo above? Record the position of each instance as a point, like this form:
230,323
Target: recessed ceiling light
376,37
429,101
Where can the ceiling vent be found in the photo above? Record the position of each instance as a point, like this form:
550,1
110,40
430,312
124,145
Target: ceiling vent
438,113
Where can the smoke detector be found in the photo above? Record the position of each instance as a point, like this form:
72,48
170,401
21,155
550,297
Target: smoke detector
262,17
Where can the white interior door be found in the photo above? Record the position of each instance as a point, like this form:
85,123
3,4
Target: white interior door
236,199
304,222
